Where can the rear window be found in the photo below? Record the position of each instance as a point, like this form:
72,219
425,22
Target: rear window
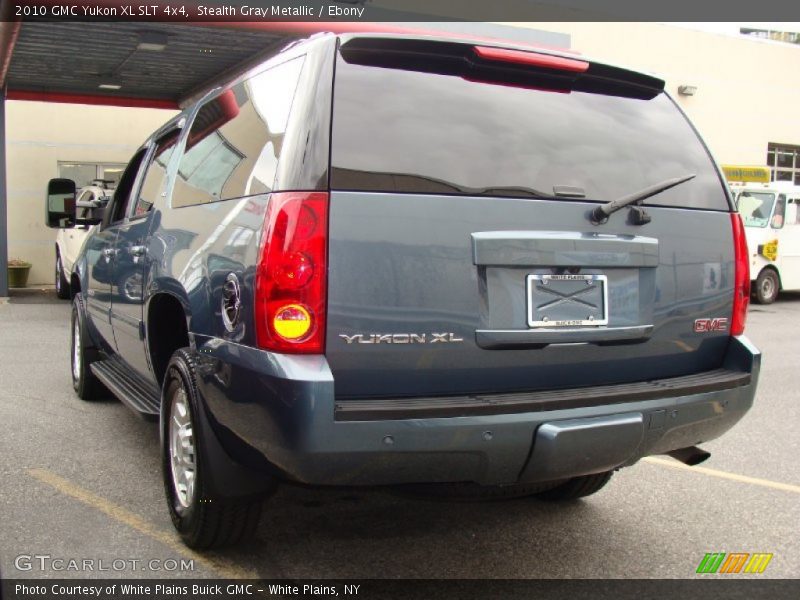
408,131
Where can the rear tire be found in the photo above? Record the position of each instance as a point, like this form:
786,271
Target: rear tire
473,492
202,520
62,285
577,487
83,354
767,286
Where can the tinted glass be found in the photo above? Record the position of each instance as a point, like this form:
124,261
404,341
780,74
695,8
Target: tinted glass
122,195
422,132
234,143
156,173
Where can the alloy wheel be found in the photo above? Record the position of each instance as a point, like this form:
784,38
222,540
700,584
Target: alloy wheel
182,451
76,350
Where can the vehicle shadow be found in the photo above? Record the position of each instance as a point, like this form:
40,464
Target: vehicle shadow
784,299
376,533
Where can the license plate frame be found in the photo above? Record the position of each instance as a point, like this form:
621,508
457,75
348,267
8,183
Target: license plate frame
545,292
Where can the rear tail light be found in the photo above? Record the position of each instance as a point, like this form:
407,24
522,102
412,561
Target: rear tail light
291,277
533,59
741,287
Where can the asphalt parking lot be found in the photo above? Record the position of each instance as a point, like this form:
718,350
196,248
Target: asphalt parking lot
81,481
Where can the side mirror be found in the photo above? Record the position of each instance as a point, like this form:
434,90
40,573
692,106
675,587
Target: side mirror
60,208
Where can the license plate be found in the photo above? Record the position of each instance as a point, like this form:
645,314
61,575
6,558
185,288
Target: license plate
567,300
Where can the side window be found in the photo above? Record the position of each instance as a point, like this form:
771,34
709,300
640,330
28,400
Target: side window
156,174
122,195
233,146
792,214
780,212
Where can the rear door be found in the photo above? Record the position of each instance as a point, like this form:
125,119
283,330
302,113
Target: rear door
462,256
131,255
101,253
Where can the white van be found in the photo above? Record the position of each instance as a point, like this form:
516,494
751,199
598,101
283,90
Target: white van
772,225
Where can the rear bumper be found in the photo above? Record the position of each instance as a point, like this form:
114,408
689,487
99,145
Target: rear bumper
280,411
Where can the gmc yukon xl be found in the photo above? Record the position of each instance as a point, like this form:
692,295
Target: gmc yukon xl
399,259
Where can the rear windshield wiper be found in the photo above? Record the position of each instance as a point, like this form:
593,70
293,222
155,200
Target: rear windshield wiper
602,212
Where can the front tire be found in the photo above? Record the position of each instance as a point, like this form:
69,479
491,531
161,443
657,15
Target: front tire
83,354
202,520
767,286
62,285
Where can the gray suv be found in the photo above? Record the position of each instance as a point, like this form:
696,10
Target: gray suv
478,268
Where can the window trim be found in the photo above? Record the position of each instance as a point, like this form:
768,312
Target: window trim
143,150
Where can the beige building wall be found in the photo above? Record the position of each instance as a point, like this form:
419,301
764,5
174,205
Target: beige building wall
38,136
748,90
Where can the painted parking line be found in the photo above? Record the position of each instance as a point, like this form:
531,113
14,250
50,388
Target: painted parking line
122,515
775,485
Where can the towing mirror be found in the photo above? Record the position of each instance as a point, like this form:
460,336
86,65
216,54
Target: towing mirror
91,214
60,208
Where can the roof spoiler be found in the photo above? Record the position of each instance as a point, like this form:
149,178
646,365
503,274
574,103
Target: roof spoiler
500,65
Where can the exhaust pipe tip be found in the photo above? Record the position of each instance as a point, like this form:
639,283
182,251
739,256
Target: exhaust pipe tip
690,456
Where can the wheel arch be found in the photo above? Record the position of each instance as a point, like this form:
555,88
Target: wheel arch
774,269
77,278
167,326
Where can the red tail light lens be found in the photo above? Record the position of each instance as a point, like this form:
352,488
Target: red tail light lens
533,59
741,288
291,277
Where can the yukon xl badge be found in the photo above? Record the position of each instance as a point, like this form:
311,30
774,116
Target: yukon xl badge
401,338
708,325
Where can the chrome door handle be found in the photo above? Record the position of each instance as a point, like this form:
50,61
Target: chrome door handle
138,250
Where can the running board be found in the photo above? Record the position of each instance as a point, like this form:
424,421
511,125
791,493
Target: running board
141,397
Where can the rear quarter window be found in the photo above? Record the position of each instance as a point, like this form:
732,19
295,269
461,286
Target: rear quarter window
408,131
235,141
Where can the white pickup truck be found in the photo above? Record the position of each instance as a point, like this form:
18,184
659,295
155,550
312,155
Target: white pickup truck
70,240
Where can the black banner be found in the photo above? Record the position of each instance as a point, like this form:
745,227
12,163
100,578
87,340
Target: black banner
400,10
728,588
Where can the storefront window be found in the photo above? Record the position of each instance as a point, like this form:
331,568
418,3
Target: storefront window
784,162
84,174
